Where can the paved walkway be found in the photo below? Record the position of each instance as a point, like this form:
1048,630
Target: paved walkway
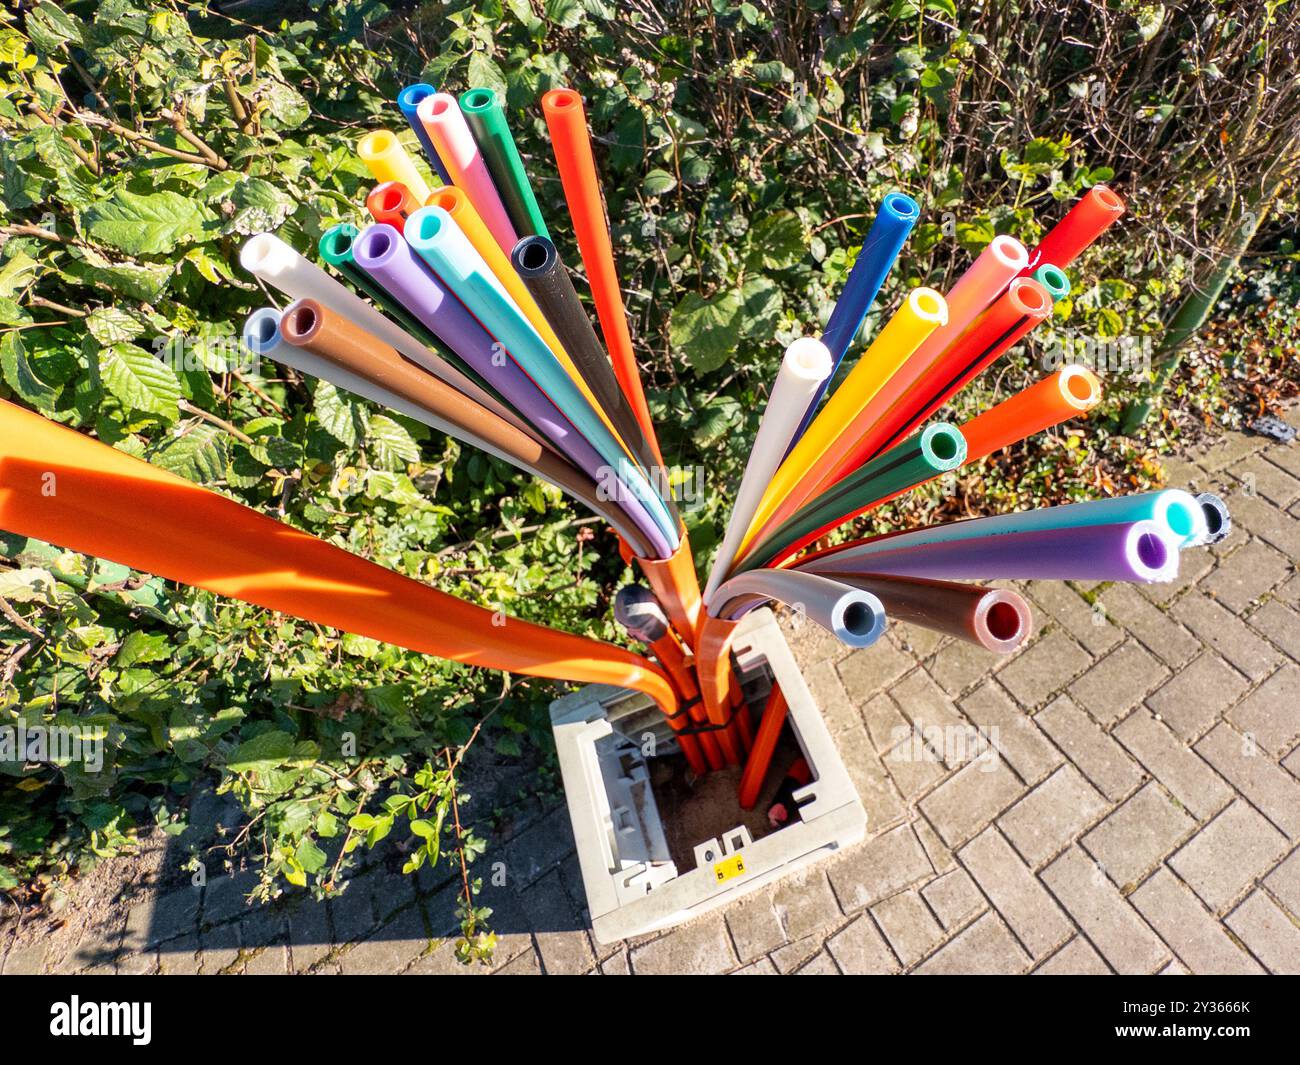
1142,813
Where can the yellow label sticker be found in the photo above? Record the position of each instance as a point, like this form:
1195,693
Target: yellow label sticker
729,868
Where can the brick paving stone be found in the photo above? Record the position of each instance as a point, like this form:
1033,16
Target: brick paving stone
809,641
1052,814
29,961
958,665
391,949
1196,696
1193,934
1015,893
872,783
226,897
559,926
1118,682
1280,624
859,950
871,669
1189,778
1076,958
1090,627
274,961
953,897
180,957
1266,522
1244,765
970,798
940,856
914,768
879,867
821,965
925,704
309,935
885,723
697,948
762,967
1292,762
1271,713
805,903
161,918
1246,575
1044,668
1267,479
1155,629
916,640
1101,759
908,926
1286,456
1109,922
1225,451
1174,968
986,948
1223,630
755,927
787,959
353,912
1269,933
1012,731
1138,834
539,849
1221,860
837,707
1192,566
1284,883
529,964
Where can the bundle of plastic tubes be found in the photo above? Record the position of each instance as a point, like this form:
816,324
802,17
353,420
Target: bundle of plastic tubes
454,307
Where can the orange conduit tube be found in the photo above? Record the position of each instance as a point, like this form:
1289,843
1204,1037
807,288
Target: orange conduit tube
60,486
713,668
760,755
392,203
1071,390
701,749
677,587
567,122
457,204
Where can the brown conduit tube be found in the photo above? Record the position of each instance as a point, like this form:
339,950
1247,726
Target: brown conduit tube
315,328
996,619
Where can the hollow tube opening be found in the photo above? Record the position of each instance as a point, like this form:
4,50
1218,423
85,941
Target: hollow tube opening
257,251
378,244
264,328
1078,385
339,242
1152,551
859,619
1010,252
943,446
477,99
299,322
1031,298
444,198
412,95
562,98
390,199
1003,622
901,205
440,105
1055,279
376,144
928,304
534,255
430,225
1213,518
1181,520
1107,198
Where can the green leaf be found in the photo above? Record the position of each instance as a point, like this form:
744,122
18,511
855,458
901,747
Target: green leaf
20,376
261,753
112,325
259,206
422,828
49,26
310,856
658,182
148,224
390,443
28,585
198,454
141,647
140,381
706,330
341,414
761,304
777,242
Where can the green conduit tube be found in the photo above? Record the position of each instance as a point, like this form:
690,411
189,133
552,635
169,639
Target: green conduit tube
487,121
1054,280
936,449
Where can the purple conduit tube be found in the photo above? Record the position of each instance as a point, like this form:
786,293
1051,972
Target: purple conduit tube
1136,551
382,252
